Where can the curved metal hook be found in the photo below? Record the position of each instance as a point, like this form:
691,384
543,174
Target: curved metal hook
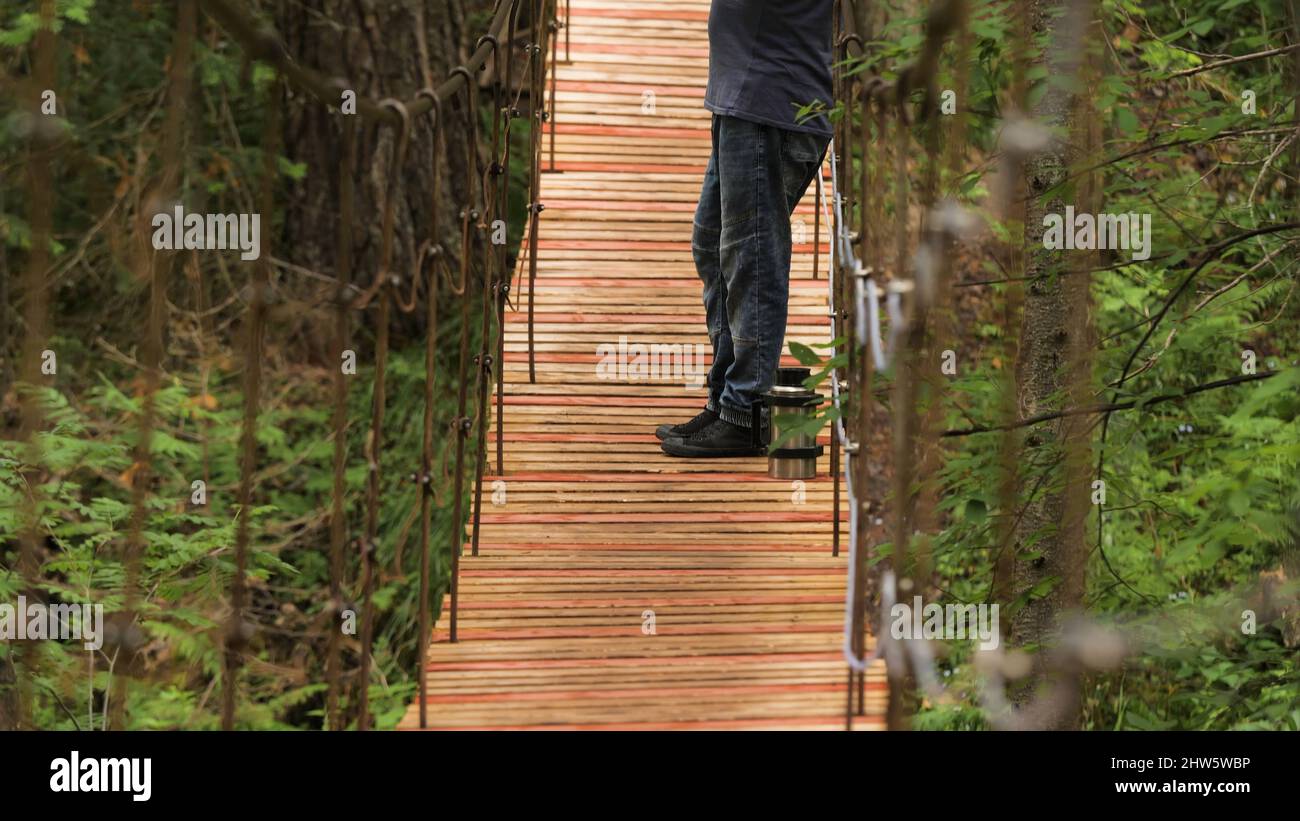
469,78
871,86
435,110
404,133
488,38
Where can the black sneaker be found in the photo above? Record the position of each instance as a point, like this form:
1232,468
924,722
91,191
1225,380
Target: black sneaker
718,439
701,420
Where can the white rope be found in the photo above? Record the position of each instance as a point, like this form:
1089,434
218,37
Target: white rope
842,441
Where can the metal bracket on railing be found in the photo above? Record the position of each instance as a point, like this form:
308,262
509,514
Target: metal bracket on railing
867,327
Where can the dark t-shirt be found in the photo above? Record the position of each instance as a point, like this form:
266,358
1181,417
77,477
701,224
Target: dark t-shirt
767,58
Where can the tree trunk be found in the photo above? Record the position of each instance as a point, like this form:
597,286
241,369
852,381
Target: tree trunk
1054,342
387,49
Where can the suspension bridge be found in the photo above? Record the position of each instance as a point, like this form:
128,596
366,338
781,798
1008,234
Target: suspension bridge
595,583
614,587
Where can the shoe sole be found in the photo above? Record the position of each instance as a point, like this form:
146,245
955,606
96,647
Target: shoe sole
676,447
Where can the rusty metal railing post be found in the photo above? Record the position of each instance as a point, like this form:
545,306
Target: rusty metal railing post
434,252
485,359
375,445
553,109
537,68
469,216
338,522
835,291
509,113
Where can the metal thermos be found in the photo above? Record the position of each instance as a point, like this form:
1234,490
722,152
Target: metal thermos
796,458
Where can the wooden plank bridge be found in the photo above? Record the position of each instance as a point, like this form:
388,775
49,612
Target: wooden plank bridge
616,587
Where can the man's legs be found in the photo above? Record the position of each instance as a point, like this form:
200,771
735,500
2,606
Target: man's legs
741,243
764,172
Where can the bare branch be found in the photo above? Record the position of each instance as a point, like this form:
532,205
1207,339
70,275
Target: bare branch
1232,61
1115,406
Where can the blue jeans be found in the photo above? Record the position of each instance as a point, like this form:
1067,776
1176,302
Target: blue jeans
741,243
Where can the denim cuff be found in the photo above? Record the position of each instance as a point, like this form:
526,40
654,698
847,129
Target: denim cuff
712,405
741,418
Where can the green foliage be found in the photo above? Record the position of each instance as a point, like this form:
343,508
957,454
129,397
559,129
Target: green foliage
1199,490
21,30
74,491
84,510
